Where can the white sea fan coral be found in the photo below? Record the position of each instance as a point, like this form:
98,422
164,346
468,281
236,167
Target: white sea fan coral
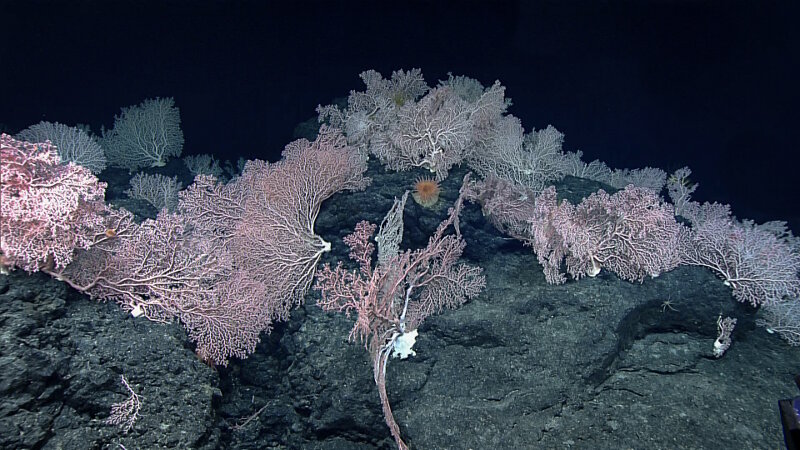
73,144
146,135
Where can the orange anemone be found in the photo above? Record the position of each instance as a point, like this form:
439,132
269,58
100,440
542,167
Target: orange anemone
426,192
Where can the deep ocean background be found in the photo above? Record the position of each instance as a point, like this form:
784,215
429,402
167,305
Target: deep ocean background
712,84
